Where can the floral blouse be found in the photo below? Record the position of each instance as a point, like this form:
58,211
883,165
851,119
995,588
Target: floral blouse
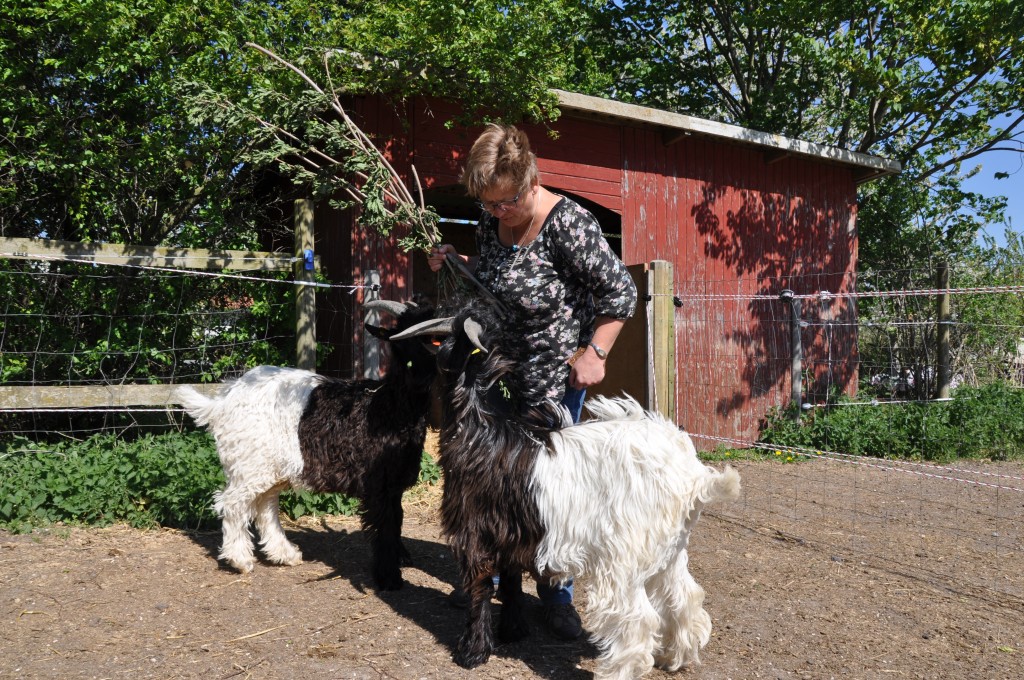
554,287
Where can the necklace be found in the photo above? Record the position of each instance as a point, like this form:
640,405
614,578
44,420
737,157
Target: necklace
516,246
518,251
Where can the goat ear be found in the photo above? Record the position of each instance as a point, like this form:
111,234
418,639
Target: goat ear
473,330
377,331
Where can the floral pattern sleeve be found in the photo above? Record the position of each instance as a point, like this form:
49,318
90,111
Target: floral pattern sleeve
586,257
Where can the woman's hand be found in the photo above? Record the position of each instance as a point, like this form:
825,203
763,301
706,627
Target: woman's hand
439,254
446,251
587,371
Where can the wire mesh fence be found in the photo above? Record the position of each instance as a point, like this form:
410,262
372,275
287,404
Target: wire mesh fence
80,342
871,496
867,463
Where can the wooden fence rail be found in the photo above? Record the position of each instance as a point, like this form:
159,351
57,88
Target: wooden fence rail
125,395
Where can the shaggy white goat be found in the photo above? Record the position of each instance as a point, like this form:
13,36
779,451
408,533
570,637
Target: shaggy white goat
619,497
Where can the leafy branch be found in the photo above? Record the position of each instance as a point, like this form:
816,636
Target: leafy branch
334,155
317,143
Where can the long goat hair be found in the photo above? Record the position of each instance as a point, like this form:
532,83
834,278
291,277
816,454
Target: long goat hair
278,428
613,498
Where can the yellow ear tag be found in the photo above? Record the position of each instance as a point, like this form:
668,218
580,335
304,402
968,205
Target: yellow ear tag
476,351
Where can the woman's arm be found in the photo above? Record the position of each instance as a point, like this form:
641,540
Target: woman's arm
589,369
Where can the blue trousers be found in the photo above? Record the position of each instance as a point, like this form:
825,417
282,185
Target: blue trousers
552,595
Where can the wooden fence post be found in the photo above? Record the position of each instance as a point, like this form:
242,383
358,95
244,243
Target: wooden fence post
643,362
305,296
662,385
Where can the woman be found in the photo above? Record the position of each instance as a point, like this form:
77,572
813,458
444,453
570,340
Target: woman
566,293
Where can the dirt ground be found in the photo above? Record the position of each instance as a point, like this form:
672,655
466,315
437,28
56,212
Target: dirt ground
122,603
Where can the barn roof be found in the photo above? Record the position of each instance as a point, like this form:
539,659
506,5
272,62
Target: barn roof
677,126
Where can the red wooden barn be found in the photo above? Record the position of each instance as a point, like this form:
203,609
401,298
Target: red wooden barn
740,215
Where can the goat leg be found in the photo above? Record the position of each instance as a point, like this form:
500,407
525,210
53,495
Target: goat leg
512,625
477,642
382,520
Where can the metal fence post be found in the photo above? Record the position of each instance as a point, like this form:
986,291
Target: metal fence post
795,353
943,317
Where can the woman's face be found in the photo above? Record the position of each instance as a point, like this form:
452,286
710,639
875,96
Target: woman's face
512,207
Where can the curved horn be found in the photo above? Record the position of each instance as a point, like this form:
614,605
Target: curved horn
390,306
441,326
473,330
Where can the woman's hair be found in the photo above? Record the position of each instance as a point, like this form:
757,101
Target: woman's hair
500,157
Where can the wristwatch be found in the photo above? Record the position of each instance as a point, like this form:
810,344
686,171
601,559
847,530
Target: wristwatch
601,354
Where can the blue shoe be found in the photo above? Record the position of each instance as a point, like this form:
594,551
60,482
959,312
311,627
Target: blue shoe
563,621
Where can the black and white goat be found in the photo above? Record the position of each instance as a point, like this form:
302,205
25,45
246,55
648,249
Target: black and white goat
278,428
613,498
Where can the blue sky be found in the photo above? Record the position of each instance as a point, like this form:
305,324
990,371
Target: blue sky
1012,187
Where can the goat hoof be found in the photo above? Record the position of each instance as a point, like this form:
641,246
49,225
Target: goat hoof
469,659
391,585
243,567
472,652
389,582
292,559
513,628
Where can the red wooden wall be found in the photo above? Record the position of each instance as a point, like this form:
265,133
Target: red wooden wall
738,229
735,222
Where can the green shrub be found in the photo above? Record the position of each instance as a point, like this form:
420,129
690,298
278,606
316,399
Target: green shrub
164,480
155,480
986,422
990,419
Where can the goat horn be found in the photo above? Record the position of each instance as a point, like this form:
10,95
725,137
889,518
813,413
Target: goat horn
441,326
473,331
390,306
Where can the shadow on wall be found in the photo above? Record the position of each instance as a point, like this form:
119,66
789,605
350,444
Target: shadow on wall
764,243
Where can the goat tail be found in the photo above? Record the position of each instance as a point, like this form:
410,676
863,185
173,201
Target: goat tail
196,404
721,485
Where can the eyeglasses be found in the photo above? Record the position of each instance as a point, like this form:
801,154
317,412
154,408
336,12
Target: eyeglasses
494,206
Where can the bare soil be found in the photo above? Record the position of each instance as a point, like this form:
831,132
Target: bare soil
124,603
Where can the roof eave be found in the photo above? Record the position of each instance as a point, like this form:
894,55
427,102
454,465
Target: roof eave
678,125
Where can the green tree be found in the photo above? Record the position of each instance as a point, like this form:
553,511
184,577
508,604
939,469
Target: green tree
987,334
95,146
933,85
101,142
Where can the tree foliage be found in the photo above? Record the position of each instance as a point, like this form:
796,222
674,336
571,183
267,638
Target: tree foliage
108,134
96,147
933,85
98,143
